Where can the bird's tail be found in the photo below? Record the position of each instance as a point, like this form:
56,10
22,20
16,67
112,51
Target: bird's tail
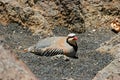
30,49
33,50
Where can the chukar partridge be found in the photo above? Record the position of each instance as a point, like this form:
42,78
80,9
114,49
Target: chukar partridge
56,45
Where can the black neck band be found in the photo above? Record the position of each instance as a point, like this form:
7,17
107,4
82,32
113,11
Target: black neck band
74,46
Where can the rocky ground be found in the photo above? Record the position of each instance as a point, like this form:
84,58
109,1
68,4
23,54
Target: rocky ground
24,22
46,68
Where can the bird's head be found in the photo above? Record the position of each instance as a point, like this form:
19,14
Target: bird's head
71,38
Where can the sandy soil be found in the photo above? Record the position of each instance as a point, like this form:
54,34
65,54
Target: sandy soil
45,68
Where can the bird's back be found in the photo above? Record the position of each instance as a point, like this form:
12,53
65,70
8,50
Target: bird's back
46,42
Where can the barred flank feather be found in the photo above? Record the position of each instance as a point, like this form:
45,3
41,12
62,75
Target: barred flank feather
52,52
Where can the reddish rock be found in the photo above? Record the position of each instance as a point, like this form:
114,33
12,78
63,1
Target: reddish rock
12,68
114,77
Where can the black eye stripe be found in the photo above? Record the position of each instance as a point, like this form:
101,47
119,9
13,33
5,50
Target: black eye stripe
71,36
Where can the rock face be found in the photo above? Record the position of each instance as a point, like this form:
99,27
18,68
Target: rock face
112,71
68,14
42,16
99,13
111,46
21,11
11,68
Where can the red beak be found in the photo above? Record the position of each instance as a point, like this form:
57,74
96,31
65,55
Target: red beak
75,38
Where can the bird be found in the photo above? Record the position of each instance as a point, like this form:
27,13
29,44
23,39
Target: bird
115,25
50,46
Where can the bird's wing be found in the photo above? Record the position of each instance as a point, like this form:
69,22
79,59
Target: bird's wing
52,52
49,46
